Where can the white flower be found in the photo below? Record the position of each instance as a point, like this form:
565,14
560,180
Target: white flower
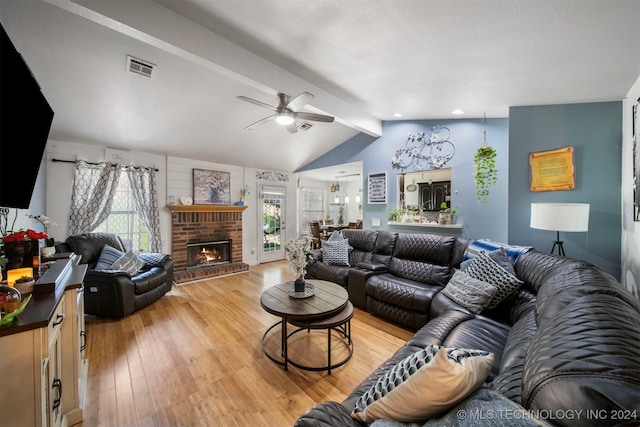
44,220
297,252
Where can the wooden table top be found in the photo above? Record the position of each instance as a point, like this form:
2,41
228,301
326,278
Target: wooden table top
328,300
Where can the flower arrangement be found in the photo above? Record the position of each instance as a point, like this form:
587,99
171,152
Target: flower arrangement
298,252
44,220
22,235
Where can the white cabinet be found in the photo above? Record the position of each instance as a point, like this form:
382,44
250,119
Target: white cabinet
42,361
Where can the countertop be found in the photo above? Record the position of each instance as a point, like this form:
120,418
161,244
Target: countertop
38,312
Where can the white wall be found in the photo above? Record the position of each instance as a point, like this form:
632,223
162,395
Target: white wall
630,229
174,178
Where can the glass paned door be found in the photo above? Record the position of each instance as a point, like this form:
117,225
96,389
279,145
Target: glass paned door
272,227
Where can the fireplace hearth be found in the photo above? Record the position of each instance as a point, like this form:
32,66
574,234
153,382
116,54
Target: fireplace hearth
205,254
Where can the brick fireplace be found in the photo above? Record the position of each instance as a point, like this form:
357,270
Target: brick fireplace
203,224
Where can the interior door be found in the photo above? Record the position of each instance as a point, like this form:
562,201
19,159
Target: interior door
272,227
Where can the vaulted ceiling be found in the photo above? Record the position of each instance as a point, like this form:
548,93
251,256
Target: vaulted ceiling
364,60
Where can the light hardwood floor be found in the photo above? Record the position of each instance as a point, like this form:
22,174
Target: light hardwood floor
194,358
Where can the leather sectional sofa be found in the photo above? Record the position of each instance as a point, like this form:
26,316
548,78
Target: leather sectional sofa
566,343
394,275
116,293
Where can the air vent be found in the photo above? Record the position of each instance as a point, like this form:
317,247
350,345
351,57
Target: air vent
140,67
305,126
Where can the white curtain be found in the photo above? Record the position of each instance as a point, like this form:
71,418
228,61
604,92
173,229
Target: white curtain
145,194
94,187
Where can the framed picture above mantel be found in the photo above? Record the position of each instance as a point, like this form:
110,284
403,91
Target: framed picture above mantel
211,187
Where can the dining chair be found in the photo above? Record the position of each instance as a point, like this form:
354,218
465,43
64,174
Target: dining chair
314,226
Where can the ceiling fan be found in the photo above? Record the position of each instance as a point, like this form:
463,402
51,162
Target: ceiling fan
287,111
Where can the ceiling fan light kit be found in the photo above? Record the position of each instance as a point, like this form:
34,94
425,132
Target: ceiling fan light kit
287,111
284,118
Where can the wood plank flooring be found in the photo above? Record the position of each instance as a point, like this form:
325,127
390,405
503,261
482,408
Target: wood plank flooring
194,358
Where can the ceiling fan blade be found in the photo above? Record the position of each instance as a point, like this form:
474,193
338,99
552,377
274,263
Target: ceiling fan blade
300,101
259,122
258,103
292,128
314,117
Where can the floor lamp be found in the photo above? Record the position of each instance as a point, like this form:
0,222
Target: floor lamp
571,217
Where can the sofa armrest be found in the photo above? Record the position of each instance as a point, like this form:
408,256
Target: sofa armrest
152,259
327,414
377,267
356,285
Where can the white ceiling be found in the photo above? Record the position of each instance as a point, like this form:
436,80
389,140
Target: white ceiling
362,59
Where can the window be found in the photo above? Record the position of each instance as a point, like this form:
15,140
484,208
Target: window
311,207
124,219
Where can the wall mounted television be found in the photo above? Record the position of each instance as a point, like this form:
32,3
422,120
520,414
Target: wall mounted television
25,121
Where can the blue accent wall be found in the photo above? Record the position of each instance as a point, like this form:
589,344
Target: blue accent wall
595,131
479,221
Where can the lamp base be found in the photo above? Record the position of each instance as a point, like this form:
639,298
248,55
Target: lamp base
558,243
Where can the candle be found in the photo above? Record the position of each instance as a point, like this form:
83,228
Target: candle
16,273
36,262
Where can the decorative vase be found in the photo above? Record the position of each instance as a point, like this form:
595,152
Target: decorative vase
299,285
240,203
21,254
444,218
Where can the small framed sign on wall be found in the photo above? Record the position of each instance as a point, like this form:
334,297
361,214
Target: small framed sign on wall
552,170
377,188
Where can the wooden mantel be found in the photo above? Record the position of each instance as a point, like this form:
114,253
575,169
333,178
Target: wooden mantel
206,208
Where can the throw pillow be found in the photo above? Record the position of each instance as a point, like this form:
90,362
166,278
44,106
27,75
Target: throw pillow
499,255
336,236
424,384
335,250
128,263
485,269
108,256
469,292
336,253
486,245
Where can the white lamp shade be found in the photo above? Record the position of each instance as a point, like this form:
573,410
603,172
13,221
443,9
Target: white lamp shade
560,216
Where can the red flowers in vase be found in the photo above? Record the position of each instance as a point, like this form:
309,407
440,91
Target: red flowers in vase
20,236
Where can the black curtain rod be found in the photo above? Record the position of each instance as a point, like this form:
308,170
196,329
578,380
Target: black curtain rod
74,161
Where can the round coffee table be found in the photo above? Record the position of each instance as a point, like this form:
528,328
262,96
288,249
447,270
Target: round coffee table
329,308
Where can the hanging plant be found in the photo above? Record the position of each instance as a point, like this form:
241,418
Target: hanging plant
486,174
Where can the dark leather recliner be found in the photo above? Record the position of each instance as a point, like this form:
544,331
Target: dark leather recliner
111,293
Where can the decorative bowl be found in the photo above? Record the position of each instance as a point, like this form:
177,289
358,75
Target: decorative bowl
10,298
25,287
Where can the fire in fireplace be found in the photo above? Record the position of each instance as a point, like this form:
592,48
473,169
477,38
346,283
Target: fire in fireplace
202,254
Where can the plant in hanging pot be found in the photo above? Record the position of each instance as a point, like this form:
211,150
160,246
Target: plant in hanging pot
486,173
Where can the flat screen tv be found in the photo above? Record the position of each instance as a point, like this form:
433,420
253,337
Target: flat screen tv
25,121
